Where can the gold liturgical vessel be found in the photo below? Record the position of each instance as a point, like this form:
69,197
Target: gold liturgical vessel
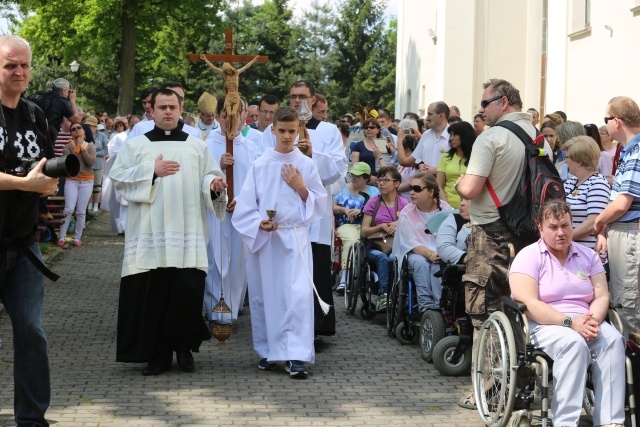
221,330
304,115
271,214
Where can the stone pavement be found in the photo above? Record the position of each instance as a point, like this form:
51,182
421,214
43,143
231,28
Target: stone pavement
361,376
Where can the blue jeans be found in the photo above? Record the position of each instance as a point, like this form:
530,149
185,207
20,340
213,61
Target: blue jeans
22,293
381,262
428,287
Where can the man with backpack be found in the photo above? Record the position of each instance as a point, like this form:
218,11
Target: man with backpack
58,102
497,161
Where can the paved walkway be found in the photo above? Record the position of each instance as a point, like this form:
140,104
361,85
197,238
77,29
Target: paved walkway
362,377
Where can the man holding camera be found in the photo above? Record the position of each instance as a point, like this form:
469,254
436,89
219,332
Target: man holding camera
24,137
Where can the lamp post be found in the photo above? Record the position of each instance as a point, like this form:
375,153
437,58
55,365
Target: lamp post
74,69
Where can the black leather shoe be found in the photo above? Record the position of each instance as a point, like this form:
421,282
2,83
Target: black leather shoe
185,360
159,365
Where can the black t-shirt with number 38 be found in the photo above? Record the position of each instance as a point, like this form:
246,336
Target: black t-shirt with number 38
21,139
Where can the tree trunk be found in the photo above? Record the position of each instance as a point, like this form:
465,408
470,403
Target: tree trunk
127,57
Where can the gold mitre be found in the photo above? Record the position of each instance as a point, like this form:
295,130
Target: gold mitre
207,103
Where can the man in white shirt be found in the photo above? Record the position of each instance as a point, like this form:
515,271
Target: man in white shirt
433,143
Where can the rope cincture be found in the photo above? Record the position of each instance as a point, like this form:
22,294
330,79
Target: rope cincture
323,305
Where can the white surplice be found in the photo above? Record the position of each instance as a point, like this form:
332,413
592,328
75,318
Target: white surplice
227,260
328,155
279,263
112,201
166,220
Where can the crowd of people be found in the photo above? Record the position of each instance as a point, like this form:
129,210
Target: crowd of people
190,239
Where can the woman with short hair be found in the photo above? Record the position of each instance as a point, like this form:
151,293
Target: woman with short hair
587,190
564,287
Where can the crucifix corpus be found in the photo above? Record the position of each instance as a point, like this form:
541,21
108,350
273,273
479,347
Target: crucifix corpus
231,85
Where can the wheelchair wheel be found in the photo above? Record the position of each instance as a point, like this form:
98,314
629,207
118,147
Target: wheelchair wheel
442,357
588,403
406,334
348,279
494,371
392,307
431,331
352,291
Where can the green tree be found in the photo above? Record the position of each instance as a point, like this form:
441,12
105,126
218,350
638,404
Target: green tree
365,63
122,45
312,54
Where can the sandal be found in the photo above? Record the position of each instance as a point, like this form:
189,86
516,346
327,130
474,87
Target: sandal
468,402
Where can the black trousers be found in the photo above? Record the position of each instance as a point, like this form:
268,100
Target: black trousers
324,324
158,311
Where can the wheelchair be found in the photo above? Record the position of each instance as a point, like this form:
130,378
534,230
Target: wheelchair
336,257
507,366
446,334
360,282
402,303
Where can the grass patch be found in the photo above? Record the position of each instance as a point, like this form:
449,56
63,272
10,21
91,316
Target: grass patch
47,248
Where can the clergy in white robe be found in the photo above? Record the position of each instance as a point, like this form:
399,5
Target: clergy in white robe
227,260
329,156
169,179
280,262
111,200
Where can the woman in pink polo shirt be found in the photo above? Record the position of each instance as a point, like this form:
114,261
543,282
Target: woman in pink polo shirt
565,290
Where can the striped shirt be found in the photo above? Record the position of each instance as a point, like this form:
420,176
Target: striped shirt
627,179
62,140
589,198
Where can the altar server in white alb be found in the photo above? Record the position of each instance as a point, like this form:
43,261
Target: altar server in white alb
279,259
225,249
169,179
324,146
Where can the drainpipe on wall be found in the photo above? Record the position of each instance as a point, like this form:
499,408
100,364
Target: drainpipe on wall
543,59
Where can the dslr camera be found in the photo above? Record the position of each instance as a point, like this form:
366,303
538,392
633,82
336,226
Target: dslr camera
65,166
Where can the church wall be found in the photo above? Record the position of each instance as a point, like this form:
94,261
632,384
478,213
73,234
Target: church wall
604,63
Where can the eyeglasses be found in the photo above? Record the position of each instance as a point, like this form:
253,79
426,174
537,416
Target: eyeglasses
294,96
486,102
385,180
371,127
606,119
417,188
344,121
76,128
267,112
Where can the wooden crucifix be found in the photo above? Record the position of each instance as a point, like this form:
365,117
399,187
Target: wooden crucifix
231,85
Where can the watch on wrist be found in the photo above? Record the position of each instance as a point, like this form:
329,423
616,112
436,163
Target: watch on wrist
566,322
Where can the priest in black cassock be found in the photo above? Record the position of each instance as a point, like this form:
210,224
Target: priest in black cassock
169,178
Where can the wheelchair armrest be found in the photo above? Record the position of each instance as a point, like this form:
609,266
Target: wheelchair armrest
514,304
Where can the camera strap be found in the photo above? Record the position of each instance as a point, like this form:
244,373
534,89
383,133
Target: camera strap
23,246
